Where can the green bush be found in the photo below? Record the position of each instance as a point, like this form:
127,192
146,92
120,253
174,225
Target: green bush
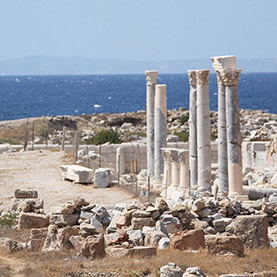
10,141
183,136
105,136
184,119
7,219
213,136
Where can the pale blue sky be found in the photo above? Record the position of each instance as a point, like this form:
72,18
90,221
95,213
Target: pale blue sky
138,29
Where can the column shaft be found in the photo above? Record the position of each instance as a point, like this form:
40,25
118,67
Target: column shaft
203,131
151,79
160,131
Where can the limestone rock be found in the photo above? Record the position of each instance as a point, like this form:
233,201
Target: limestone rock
37,238
96,223
171,224
93,246
102,177
193,239
198,205
138,223
63,220
136,237
10,246
171,270
252,230
32,220
152,238
224,245
34,205
194,272
164,243
161,205
77,173
25,193
144,251
77,242
87,230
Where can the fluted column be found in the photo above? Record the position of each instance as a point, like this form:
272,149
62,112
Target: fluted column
234,138
175,168
203,132
160,130
192,129
184,170
151,80
167,168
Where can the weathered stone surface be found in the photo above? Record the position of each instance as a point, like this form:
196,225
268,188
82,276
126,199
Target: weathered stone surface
37,238
161,205
58,238
139,213
224,245
144,251
152,238
77,242
96,223
252,230
102,177
193,239
63,220
27,205
116,238
171,270
136,237
66,208
10,246
87,230
160,227
138,223
198,205
32,220
164,243
80,202
77,173
194,272
25,193
93,246
172,225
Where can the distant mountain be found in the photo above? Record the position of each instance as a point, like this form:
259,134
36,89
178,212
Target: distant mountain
43,65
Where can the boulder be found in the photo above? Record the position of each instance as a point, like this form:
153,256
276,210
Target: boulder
58,238
224,245
93,246
193,239
143,251
152,238
37,238
252,229
198,205
101,177
161,205
194,272
136,237
171,223
77,242
164,243
171,270
87,230
96,223
25,193
27,205
63,220
32,220
9,245
77,173
138,223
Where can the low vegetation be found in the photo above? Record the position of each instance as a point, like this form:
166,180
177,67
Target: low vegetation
7,219
9,141
184,119
105,136
183,136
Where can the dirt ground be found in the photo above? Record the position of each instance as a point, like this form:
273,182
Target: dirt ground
39,170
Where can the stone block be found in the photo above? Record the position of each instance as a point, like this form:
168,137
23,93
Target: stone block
136,236
252,229
9,246
193,239
171,270
63,220
224,245
152,238
193,272
138,223
25,193
164,243
143,251
77,242
102,178
32,220
77,173
94,246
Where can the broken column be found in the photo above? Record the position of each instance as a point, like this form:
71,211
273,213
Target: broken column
192,130
160,131
151,80
175,168
234,139
184,170
222,64
167,167
203,132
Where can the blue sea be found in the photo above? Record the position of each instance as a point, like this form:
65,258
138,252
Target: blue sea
33,96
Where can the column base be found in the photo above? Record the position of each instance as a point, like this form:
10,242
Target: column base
238,196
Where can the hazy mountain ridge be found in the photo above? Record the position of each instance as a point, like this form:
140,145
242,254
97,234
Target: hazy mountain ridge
44,65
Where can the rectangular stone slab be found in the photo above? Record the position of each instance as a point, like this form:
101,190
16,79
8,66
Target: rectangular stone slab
77,173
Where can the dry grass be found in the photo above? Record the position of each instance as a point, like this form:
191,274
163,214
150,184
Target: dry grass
56,264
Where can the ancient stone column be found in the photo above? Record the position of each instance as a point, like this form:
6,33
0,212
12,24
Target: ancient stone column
167,168
203,132
192,130
234,139
160,131
175,168
222,64
184,170
151,80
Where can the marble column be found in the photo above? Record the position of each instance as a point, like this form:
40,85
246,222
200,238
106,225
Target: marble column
175,168
234,139
160,131
167,168
192,130
222,64
151,80
203,132
184,170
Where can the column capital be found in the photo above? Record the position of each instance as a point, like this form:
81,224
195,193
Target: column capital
151,77
202,77
183,156
224,63
192,77
229,78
